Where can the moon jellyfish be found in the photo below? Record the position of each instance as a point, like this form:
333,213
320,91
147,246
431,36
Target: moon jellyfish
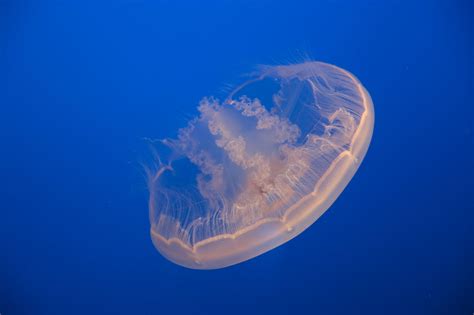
256,169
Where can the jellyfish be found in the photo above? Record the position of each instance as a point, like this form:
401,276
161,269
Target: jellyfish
256,169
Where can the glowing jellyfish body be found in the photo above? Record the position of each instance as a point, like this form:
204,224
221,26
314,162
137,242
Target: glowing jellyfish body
263,165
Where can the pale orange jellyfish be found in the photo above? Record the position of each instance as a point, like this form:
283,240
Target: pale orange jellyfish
261,166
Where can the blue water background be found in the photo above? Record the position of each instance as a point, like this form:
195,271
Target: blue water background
83,82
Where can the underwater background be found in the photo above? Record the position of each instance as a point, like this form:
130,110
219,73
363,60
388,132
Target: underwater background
83,83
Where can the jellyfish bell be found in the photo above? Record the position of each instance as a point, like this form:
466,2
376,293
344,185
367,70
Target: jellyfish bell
255,170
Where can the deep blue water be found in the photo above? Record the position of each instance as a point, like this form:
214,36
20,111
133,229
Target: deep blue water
83,82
